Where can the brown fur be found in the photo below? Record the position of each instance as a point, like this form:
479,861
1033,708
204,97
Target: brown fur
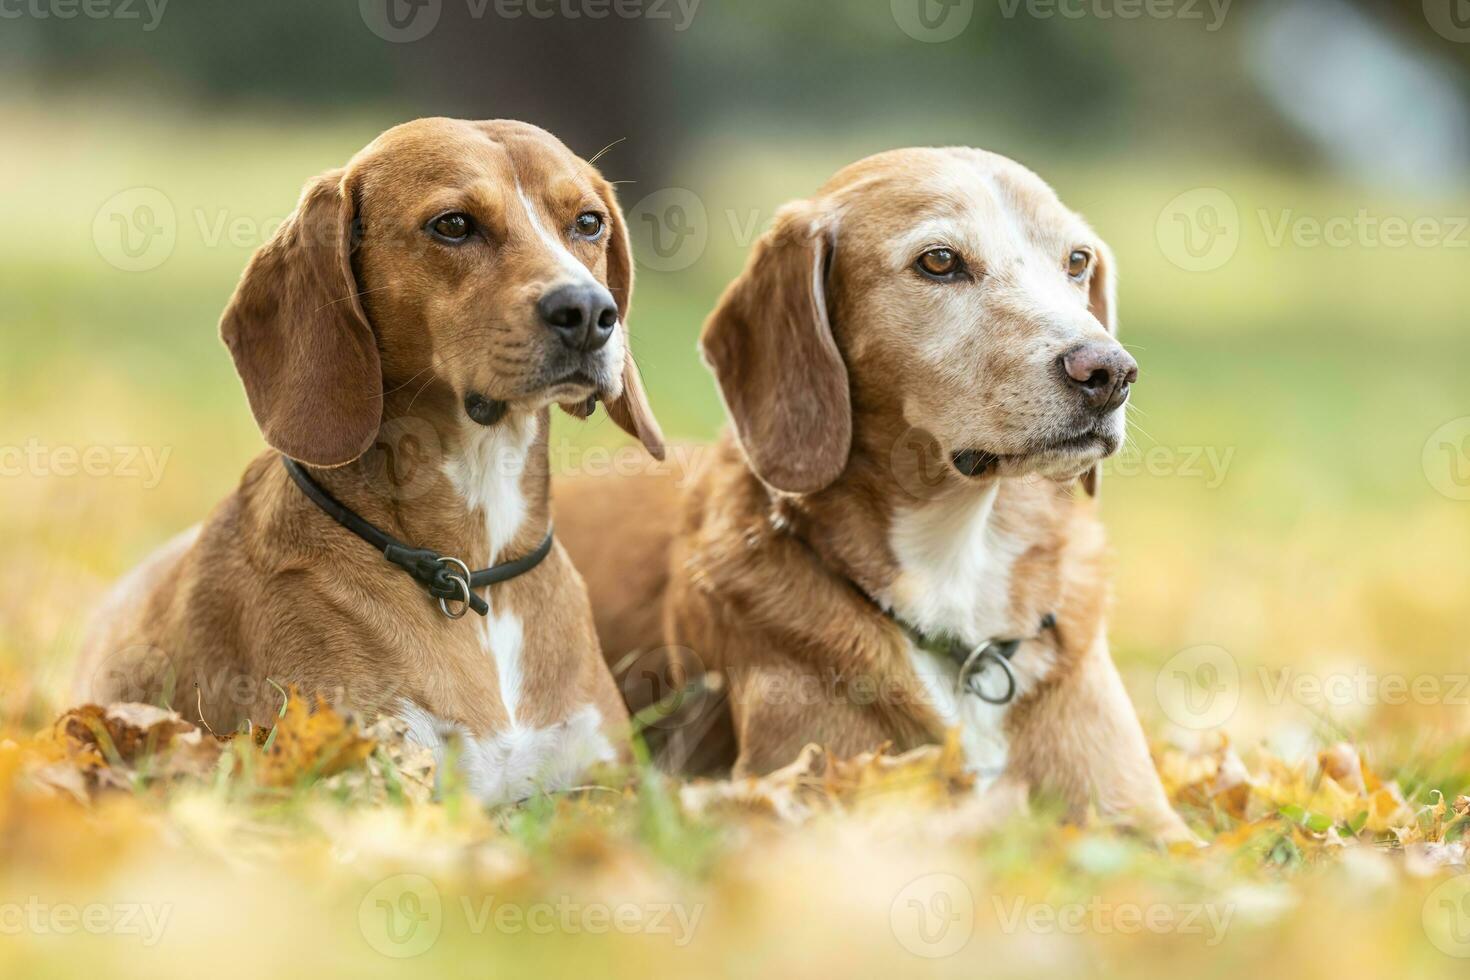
358,339
850,381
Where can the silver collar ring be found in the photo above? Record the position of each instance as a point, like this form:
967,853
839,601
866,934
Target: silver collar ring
978,664
464,589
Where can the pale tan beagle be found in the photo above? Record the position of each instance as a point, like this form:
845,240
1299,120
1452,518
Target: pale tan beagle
920,365
402,337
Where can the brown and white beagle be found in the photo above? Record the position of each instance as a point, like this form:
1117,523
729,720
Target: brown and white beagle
920,365
403,337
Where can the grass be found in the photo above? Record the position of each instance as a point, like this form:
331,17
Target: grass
1321,550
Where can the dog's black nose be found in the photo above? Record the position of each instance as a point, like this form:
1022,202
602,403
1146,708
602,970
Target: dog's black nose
1101,373
583,315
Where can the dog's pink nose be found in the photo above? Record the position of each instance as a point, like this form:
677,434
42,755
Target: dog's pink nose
1101,373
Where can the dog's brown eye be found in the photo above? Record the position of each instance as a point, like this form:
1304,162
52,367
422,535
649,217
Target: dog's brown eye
1078,263
453,227
589,224
939,263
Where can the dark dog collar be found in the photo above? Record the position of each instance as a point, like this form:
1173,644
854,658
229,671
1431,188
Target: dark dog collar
975,661
446,578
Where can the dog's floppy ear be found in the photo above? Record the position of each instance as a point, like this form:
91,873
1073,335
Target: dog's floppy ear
770,345
1102,302
301,342
630,410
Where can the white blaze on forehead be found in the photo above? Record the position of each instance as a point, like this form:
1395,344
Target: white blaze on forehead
996,205
554,243
1019,236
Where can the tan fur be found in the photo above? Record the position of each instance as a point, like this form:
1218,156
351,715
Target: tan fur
850,389
358,339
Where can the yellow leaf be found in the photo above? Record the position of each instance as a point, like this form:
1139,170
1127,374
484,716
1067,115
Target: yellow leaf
310,742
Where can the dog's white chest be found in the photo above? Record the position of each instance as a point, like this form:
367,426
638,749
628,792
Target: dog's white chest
520,761
955,581
516,763
981,724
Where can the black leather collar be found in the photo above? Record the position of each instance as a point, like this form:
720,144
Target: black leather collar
446,578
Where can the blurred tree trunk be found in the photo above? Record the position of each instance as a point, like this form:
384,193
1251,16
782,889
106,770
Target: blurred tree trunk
591,82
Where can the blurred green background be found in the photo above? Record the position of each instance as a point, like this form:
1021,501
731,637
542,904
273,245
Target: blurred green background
1285,186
